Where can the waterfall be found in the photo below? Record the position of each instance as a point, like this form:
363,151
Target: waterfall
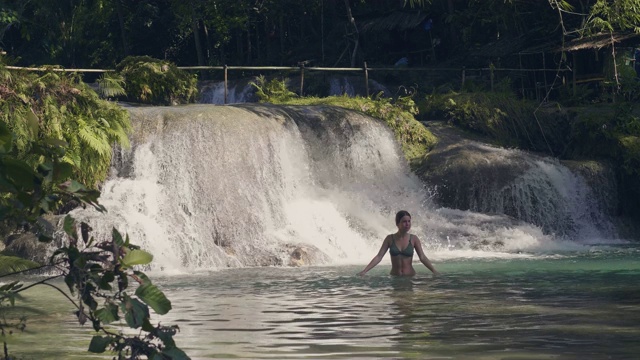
207,186
539,190
237,92
241,91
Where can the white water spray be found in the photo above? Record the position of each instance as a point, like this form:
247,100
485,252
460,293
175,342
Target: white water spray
210,187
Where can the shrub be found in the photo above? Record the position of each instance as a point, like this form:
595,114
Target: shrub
157,82
58,108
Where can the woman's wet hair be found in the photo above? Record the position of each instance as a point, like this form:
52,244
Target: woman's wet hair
400,215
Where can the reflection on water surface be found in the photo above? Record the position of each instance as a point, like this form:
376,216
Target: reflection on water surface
585,306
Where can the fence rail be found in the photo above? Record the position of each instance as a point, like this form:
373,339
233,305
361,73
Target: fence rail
302,68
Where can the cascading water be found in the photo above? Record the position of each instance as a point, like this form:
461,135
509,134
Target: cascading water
473,176
208,186
242,91
237,92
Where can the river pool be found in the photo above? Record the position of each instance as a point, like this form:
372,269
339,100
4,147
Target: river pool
565,306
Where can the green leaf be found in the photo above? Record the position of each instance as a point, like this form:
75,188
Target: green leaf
70,227
174,353
21,175
154,297
136,257
56,142
5,138
72,186
142,276
99,344
108,314
135,312
62,171
106,280
33,123
84,230
117,237
10,286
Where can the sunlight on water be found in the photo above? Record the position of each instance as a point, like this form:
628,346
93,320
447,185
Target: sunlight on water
571,306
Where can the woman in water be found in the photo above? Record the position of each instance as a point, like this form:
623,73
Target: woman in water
401,246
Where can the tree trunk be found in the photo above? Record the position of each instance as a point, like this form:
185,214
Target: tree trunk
352,21
322,28
122,31
452,28
196,35
249,41
281,39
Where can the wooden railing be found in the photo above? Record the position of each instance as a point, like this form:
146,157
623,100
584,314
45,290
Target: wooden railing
302,69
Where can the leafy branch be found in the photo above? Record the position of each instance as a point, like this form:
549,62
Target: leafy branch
101,276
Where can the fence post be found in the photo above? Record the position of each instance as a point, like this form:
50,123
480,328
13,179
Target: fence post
366,78
544,71
464,72
301,79
491,75
225,83
522,74
574,72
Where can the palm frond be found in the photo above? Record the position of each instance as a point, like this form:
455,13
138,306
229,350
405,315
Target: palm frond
12,264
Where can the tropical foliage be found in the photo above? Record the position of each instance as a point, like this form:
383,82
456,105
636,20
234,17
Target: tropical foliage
105,286
58,109
266,32
503,118
152,81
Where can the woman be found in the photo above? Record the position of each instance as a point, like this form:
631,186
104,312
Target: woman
401,246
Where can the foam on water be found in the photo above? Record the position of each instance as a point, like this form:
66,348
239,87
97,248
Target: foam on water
209,187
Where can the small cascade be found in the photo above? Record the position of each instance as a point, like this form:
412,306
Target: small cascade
211,187
241,91
542,191
354,86
237,92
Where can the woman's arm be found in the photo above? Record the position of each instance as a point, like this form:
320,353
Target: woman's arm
376,259
423,258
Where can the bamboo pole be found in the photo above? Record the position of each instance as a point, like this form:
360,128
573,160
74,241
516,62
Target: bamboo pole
58,69
521,77
287,68
464,72
226,83
574,69
366,78
544,66
302,79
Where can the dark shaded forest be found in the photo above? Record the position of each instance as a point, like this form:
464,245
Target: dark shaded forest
100,33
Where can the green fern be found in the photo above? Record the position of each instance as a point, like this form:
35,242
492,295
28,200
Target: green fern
111,85
64,109
95,141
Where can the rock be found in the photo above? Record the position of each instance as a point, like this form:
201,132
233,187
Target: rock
28,247
305,255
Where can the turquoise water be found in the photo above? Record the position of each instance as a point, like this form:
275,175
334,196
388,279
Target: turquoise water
571,306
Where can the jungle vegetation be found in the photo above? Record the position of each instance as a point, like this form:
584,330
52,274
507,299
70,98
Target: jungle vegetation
56,133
